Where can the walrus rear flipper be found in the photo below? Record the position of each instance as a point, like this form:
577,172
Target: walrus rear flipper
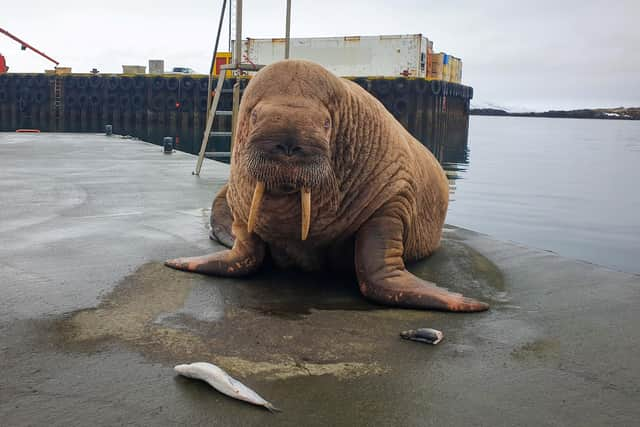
221,219
382,276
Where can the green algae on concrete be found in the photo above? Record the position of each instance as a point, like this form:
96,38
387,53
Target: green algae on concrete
264,328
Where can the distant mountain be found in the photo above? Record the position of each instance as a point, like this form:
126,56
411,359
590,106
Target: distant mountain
482,105
488,112
619,113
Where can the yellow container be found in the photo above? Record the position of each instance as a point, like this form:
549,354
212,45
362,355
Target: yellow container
222,58
453,69
63,70
456,70
134,69
437,67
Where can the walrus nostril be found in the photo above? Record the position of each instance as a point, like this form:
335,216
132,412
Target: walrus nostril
288,148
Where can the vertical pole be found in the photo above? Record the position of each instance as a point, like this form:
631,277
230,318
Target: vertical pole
288,31
213,60
237,59
234,114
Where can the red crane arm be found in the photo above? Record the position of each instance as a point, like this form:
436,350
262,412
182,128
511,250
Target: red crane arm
27,45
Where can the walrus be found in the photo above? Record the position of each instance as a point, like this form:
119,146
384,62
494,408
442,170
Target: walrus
322,176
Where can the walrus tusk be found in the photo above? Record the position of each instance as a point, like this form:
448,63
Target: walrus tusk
255,206
306,211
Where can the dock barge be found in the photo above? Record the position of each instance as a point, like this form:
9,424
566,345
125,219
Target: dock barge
151,107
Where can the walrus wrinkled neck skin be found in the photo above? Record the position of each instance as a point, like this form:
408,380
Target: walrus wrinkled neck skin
319,169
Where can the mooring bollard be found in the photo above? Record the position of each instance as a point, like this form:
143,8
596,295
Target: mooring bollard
108,130
167,142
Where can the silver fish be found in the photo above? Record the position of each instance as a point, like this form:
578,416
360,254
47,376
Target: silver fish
426,335
223,382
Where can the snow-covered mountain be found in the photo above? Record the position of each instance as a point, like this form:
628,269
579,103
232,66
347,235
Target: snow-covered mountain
480,104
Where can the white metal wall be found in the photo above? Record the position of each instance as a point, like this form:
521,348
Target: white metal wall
388,56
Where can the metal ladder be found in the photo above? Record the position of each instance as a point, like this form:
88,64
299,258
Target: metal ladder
218,133
229,113
213,111
57,100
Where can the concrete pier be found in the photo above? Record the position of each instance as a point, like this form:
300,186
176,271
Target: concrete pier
92,323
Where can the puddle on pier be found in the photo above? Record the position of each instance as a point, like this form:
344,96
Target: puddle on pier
277,324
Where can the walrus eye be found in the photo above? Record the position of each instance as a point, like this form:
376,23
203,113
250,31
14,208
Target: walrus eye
327,123
254,116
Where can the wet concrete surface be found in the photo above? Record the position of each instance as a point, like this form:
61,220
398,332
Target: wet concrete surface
91,322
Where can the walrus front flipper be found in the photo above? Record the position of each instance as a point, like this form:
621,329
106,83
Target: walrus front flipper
244,258
221,219
383,278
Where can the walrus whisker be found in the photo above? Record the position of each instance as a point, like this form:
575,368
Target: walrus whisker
255,206
306,211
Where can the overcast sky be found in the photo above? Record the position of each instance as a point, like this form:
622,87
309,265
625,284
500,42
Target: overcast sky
529,55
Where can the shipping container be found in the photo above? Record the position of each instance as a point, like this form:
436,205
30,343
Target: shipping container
385,56
459,71
134,69
429,58
445,67
455,69
222,58
156,66
437,66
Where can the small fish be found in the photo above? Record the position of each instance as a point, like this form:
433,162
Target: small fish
223,382
426,335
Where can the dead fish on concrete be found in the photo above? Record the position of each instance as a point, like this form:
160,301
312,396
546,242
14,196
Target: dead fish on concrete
426,335
223,382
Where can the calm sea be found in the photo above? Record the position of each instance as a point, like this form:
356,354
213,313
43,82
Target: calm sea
566,185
